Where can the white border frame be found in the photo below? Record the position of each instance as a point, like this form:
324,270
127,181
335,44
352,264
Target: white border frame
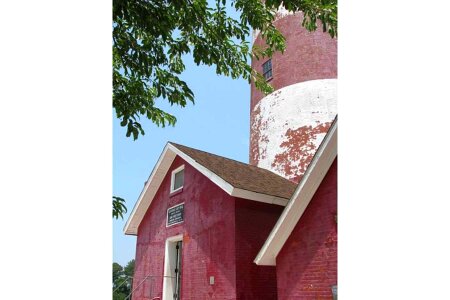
172,179
167,295
167,216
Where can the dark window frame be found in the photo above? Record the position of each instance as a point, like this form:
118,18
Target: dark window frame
267,69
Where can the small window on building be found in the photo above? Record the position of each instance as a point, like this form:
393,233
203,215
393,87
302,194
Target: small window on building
177,179
267,69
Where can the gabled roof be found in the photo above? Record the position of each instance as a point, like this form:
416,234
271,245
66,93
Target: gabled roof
316,171
241,175
235,178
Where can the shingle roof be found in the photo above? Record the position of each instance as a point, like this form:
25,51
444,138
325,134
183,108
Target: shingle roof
241,175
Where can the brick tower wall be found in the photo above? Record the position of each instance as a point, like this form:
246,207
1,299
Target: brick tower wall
287,126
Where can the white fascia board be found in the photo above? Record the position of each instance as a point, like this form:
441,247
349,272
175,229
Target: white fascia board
148,192
308,185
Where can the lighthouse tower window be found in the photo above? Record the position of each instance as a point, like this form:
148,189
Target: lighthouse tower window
267,69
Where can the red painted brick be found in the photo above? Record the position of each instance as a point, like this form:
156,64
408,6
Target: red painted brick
208,221
307,263
308,56
254,221
222,235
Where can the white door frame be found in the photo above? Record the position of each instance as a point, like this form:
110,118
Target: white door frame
169,267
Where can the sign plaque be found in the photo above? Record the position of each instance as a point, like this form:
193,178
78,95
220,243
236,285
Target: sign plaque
175,214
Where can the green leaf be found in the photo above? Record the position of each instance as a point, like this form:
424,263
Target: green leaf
150,39
119,208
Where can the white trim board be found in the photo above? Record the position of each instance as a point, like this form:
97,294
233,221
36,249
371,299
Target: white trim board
317,169
159,172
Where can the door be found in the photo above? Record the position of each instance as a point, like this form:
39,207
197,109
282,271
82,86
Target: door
177,289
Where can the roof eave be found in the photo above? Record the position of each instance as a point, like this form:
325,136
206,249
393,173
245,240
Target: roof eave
156,177
250,195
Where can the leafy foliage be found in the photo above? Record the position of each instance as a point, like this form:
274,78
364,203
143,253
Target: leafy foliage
122,280
129,268
119,207
117,271
151,37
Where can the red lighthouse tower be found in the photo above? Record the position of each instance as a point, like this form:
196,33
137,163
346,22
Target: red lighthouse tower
288,125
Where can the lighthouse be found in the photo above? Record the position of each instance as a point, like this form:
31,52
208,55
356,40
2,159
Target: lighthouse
209,227
288,125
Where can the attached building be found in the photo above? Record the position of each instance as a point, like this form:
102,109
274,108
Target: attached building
209,227
200,221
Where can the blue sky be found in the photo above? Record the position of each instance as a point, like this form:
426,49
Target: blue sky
217,123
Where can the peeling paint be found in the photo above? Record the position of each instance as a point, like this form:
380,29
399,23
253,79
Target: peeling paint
255,34
288,126
298,149
282,12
